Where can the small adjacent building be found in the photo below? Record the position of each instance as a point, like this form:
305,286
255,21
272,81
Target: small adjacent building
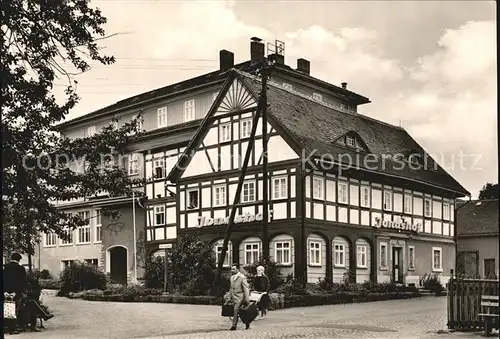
477,238
348,194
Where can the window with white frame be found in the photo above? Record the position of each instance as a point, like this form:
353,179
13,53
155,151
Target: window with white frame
411,257
361,251
189,110
315,253
248,192
93,262
350,141
427,207
219,195
159,215
282,253
446,211
437,259
159,168
365,196
98,226
69,236
287,86
339,255
140,123
228,257
317,97
387,200
66,263
408,205
193,198
162,116
245,128
252,253
342,187
84,231
318,188
90,131
280,187
225,132
50,239
383,255
133,164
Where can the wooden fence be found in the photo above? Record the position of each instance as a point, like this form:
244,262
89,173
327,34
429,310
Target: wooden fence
464,302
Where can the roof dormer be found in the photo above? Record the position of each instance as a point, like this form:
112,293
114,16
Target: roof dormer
352,140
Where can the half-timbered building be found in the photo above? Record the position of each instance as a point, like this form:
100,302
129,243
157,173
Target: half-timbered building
349,196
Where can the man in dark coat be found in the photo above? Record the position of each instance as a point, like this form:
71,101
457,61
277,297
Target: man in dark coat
14,281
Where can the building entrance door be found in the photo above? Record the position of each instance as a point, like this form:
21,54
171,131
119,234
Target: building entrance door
397,265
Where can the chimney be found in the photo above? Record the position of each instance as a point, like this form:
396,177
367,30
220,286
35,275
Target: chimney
344,85
256,50
226,60
303,66
277,58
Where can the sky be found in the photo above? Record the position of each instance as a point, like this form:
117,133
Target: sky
429,66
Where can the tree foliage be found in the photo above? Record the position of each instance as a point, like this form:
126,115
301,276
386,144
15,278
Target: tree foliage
44,41
489,191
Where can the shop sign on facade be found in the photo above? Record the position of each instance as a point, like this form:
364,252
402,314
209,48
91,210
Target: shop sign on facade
238,219
401,226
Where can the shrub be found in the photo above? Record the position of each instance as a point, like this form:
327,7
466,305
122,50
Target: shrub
49,284
273,272
294,286
81,276
432,283
154,273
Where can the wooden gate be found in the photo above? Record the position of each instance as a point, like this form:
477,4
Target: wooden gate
464,302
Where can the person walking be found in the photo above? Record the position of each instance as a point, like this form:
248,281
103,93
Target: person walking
261,284
239,292
14,281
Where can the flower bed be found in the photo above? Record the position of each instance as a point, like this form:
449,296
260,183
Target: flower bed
278,301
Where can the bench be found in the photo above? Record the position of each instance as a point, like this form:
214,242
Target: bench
489,309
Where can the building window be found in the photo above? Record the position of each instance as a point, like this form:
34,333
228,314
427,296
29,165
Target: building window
408,204
252,253
90,131
140,123
489,268
159,215
66,263
227,258
411,258
437,259
342,187
93,262
282,252
133,164
318,188
193,196
219,195
50,239
350,141
427,207
446,211
84,231
245,128
248,193
98,226
280,188
225,132
317,97
69,233
159,168
387,200
287,86
365,196
189,110
339,255
383,255
315,253
361,251
162,117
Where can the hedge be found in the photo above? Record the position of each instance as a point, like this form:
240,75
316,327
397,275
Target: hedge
49,284
278,301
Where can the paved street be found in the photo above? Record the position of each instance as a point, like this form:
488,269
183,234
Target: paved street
419,318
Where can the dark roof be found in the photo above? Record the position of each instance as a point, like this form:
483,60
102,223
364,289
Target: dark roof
478,217
315,128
